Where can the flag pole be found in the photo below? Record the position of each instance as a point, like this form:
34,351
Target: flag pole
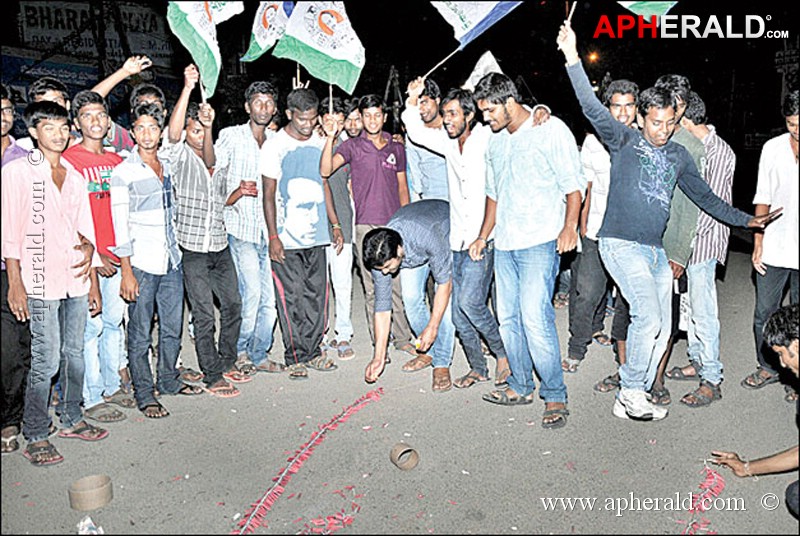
202,90
330,99
441,62
571,11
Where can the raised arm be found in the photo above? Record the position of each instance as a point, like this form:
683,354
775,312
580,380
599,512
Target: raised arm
434,139
329,162
133,65
178,118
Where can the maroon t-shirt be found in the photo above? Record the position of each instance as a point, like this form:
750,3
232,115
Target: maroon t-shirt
96,169
373,177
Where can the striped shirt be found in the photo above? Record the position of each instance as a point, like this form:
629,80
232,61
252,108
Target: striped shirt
199,202
238,151
712,235
143,214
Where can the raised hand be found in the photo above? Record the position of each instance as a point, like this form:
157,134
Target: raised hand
136,64
191,76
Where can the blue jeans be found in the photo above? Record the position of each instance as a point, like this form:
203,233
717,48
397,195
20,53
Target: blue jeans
162,293
644,277
413,281
703,329
102,344
769,295
258,298
471,316
57,328
525,280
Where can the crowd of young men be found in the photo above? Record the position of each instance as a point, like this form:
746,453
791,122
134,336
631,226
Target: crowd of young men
260,221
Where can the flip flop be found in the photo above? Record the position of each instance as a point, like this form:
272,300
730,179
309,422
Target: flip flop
602,339
501,397
298,372
345,351
570,365
470,379
420,362
190,390
270,367
190,375
32,453
104,413
322,364
10,444
607,384
236,376
121,398
84,431
223,389
158,407
676,373
502,377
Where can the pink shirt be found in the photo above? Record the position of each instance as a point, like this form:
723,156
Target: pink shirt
41,226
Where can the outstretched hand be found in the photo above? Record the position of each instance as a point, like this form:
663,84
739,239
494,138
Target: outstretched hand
759,222
136,64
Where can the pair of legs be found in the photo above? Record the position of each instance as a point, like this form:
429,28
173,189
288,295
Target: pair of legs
15,363
254,274
525,280
205,276
341,279
472,317
400,327
164,294
103,352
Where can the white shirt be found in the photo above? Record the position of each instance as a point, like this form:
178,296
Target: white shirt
466,174
596,164
777,186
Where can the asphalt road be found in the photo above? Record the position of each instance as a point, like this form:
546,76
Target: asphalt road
483,468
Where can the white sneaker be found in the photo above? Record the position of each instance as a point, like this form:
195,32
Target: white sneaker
633,404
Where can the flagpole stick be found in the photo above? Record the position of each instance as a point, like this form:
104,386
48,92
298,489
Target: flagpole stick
571,11
298,74
202,91
441,62
330,99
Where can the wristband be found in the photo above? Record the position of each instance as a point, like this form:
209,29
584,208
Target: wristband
482,239
336,226
272,237
747,471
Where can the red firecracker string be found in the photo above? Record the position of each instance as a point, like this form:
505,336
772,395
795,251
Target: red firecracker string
254,516
710,488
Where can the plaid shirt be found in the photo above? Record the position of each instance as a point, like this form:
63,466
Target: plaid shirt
199,202
143,214
237,150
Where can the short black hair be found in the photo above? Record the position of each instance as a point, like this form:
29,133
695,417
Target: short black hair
782,327
380,245
82,98
678,84
338,106
147,89
695,109
150,109
623,87
37,112
496,88
431,90
259,86
465,100
790,104
5,94
371,101
192,112
43,85
351,106
656,97
302,100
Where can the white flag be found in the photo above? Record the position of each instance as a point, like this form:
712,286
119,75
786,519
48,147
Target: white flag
486,64
268,26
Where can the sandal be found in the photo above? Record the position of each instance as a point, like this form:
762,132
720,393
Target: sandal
244,365
223,389
570,365
470,379
121,398
155,411
660,396
10,443
602,339
298,372
236,376
270,367
607,384
345,351
501,377
104,412
322,364
791,394
559,422
84,431
190,375
44,454
756,380
561,300
441,380
696,399
677,373
190,390
502,398
418,363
